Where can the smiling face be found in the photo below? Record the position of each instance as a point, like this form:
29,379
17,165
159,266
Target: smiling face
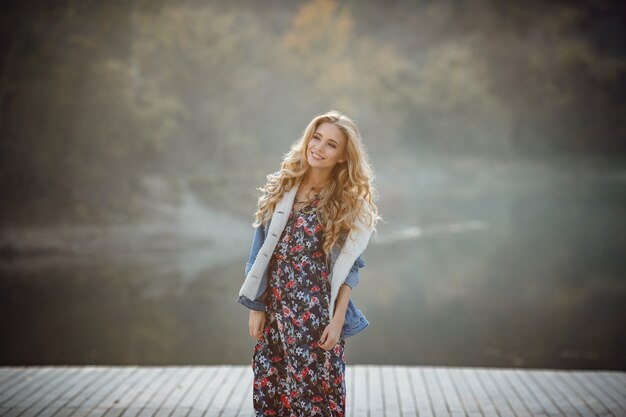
327,146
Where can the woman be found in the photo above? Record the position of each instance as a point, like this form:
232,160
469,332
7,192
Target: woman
314,220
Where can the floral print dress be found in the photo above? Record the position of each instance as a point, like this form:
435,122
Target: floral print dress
293,376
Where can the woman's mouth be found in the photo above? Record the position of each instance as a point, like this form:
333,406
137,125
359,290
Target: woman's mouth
316,156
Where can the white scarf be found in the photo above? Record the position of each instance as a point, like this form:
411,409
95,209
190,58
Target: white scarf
354,245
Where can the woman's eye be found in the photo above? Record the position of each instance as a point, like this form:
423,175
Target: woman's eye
317,138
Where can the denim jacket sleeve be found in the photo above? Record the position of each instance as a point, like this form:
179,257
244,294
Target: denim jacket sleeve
353,276
257,242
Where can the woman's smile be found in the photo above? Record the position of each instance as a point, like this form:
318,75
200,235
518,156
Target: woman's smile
316,156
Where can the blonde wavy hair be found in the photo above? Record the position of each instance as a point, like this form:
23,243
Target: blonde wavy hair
349,194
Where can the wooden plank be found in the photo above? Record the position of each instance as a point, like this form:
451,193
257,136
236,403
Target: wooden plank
128,377
187,375
561,379
25,398
55,397
374,385
542,379
422,398
207,396
349,390
95,392
504,399
146,396
11,374
86,396
481,397
389,391
521,401
586,402
173,391
405,391
247,405
360,391
190,400
224,392
464,392
615,385
7,372
133,399
450,392
607,400
26,383
619,377
58,395
164,398
522,379
437,397
241,394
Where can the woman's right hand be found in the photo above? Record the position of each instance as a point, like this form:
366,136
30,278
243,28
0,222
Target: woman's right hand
256,323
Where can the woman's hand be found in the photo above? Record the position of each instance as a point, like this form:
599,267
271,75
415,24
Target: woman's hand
256,323
331,334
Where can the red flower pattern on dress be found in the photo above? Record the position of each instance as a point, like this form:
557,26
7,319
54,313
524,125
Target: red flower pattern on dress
293,375
296,248
285,400
325,385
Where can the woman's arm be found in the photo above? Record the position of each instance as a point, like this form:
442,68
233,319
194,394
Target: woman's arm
343,297
332,332
341,304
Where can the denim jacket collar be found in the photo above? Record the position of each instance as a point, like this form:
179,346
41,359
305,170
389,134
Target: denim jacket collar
342,259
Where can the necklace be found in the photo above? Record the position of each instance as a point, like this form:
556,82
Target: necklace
306,194
307,201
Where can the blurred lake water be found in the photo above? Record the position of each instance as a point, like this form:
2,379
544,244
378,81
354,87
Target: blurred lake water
476,264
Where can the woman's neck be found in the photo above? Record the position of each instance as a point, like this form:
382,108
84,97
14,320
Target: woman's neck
316,179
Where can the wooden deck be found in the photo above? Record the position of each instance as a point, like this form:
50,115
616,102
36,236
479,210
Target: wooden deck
194,391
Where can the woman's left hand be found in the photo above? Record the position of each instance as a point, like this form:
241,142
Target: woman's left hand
331,335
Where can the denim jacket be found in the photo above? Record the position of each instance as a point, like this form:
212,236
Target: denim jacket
354,322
